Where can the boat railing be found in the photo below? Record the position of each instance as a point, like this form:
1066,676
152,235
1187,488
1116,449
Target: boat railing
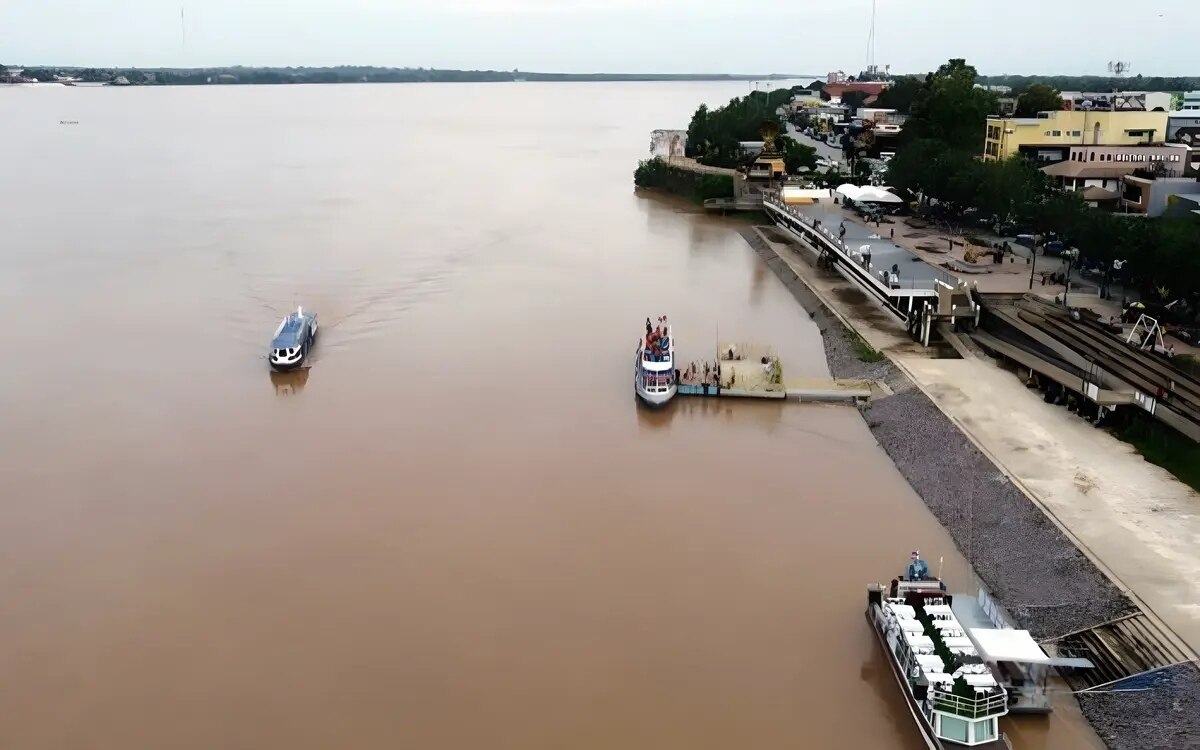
993,703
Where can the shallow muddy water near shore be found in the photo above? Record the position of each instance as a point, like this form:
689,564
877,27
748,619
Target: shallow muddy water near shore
456,528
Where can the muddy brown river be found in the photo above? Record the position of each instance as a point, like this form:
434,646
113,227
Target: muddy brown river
456,529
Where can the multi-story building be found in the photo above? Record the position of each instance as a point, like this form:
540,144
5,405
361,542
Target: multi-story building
1097,172
1053,130
1191,100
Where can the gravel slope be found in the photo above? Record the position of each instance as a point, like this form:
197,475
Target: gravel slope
1048,586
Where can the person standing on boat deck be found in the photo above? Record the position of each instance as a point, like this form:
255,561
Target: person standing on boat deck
917,569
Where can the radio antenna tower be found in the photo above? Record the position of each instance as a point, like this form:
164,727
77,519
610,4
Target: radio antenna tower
1119,67
182,28
871,40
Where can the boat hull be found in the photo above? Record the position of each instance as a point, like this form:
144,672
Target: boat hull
655,400
910,700
289,366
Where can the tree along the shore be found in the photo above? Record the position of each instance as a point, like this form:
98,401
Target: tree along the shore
941,161
715,135
695,186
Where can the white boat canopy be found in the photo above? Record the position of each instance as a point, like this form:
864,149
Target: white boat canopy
1008,645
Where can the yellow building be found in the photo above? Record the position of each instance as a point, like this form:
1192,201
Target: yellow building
1054,130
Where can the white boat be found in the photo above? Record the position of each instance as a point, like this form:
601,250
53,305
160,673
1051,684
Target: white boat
655,380
293,340
951,691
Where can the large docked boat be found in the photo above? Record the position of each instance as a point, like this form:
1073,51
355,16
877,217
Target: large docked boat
293,340
951,691
655,380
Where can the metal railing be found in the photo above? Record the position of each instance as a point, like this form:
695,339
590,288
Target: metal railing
991,704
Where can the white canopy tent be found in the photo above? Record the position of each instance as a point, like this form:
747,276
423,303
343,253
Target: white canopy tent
873,194
867,194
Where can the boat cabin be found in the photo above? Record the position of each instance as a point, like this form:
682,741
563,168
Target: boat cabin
290,337
292,340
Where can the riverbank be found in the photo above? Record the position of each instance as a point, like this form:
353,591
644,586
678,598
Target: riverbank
1045,582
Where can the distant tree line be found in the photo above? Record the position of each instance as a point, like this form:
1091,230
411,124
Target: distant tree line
343,74
1095,83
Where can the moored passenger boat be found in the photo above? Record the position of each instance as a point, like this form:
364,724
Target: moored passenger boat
655,380
953,695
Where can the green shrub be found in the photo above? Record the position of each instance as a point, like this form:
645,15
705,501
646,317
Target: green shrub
695,186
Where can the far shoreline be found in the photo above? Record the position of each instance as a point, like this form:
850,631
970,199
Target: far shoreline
247,75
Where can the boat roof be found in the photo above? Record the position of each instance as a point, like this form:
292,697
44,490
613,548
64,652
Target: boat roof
1008,645
291,332
669,364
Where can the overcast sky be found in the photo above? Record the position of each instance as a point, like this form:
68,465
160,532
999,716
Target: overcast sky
670,36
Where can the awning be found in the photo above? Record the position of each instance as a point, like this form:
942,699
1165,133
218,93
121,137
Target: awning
1008,645
1018,646
1089,170
1094,193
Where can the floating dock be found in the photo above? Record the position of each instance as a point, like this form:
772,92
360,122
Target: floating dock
753,371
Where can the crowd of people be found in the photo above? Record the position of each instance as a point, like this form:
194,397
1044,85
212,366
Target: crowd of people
658,341
707,374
